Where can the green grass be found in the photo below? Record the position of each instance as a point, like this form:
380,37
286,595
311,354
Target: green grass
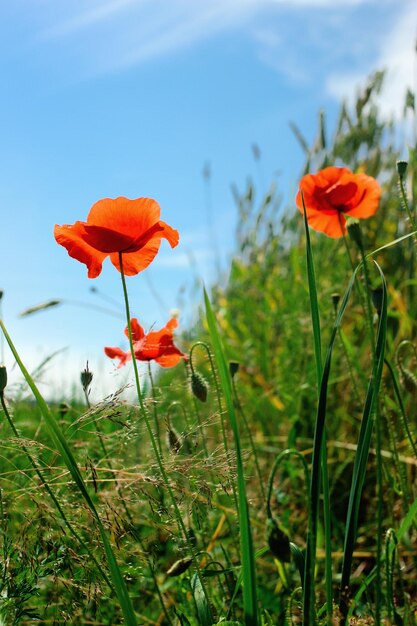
271,480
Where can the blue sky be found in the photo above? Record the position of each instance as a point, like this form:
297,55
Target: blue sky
133,97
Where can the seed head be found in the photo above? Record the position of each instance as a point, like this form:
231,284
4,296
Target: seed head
86,378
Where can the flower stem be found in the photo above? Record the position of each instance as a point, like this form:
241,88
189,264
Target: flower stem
155,412
164,475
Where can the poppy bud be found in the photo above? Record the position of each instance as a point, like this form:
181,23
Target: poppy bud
335,299
1,294
401,168
278,542
233,368
174,441
63,409
180,566
377,296
86,378
354,231
408,380
191,536
199,386
3,378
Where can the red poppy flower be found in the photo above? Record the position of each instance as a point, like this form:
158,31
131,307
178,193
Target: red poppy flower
155,346
333,193
117,225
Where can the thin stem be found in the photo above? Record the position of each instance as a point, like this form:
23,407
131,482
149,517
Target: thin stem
155,412
275,467
178,516
252,443
405,203
379,476
219,402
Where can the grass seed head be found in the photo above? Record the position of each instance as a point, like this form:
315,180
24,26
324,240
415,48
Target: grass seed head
86,378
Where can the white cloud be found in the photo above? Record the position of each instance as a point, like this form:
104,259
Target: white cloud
397,55
125,33
85,19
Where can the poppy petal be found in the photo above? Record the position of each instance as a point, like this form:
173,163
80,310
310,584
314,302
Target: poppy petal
169,360
137,331
129,217
370,195
334,192
331,225
107,240
118,353
171,325
73,238
135,262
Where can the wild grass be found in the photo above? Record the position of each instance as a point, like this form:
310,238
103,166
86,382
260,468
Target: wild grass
269,479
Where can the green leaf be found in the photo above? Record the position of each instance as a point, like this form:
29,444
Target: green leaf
246,547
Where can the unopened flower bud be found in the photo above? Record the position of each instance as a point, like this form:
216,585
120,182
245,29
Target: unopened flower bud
180,566
63,409
278,542
3,378
377,297
192,538
408,380
354,231
233,368
174,441
335,299
402,168
199,386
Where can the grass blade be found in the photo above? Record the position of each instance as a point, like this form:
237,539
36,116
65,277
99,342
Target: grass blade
364,443
246,547
315,319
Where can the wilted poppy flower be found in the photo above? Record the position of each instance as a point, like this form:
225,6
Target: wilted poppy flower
155,346
333,193
117,225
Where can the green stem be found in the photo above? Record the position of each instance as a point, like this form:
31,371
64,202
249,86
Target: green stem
252,443
219,403
155,411
405,203
379,475
320,459
164,475
275,467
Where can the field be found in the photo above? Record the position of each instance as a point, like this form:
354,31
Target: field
266,474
